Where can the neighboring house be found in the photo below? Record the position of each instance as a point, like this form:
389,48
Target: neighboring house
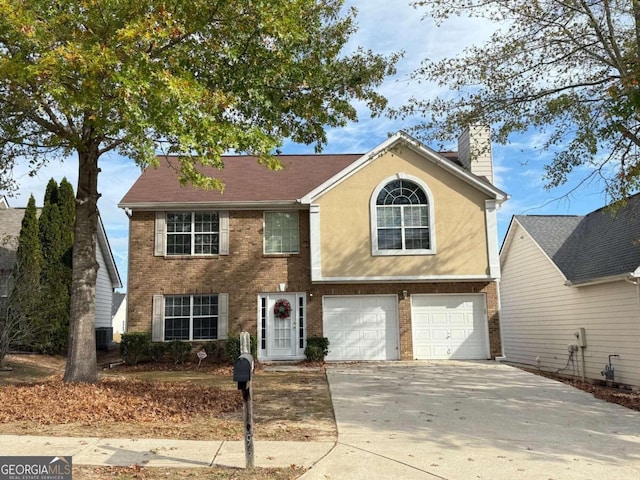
119,315
107,280
390,255
563,273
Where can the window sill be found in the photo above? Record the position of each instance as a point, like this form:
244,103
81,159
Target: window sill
190,257
401,253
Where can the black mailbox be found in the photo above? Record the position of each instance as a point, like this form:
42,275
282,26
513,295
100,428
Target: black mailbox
242,368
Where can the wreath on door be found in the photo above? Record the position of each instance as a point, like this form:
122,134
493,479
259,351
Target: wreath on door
282,309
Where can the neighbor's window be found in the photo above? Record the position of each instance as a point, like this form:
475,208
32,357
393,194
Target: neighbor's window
193,233
402,219
281,232
191,317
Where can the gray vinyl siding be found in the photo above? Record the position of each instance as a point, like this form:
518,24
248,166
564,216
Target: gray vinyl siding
104,291
539,315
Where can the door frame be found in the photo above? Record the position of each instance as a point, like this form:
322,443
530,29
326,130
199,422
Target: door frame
265,317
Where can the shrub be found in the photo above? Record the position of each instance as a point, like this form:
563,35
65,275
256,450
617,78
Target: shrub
317,348
232,347
134,346
157,351
179,351
314,353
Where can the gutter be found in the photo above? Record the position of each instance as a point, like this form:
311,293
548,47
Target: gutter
628,277
261,205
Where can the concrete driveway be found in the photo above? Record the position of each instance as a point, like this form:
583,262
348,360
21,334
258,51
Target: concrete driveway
472,420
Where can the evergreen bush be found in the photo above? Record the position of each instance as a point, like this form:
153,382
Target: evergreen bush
317,348
134,346
179,351
157,351
232,347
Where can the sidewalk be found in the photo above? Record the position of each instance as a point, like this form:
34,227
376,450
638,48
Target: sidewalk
166,453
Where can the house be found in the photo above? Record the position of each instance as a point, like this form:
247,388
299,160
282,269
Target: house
119,315
107,280
574,280
390,255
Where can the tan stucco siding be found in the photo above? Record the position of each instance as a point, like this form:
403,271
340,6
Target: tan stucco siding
460,224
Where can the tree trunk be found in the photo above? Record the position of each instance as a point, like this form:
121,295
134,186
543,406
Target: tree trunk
81,357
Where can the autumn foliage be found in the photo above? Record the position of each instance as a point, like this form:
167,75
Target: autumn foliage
114,400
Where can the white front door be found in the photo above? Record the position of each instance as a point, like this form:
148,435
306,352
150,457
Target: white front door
283,326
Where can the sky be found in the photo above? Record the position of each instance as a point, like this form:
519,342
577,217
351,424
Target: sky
384,27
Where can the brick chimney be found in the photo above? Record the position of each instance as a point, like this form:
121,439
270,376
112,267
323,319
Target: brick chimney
474,151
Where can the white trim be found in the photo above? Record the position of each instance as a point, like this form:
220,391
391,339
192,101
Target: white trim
298,352
373,218
491,218
158,317
509,239
314,242
418,147
195,206
107,253
599,280
408,279
264,231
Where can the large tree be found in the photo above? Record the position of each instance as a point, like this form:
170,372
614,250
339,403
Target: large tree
567,68
195,79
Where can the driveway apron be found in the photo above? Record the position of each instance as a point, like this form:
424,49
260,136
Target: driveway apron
472,420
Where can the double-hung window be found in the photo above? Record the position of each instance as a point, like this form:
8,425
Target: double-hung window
193,233
281,233
402,222
190,317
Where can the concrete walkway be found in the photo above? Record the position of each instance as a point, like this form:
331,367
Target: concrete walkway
415,420
166,452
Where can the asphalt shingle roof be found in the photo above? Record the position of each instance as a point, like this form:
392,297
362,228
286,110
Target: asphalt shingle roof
245,180
603,243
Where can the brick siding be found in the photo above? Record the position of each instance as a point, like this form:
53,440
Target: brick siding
246,272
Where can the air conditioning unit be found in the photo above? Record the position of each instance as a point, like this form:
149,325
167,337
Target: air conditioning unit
104,338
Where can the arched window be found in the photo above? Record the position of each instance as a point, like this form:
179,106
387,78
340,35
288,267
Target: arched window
402,215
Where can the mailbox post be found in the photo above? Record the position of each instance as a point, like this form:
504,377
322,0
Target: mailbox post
242,373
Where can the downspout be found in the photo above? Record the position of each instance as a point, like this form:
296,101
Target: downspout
635,280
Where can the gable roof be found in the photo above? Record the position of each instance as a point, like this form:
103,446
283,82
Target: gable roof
116,301
605,244
303,178
446,160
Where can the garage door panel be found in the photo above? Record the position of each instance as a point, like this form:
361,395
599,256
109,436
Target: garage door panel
361,327
449,326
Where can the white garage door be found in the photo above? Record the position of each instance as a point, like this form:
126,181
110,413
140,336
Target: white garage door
363,327
449,327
